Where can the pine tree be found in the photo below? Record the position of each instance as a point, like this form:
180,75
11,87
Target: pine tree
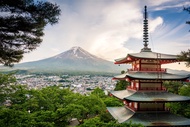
21,27
185,55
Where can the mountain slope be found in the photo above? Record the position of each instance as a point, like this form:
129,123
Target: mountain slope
75,59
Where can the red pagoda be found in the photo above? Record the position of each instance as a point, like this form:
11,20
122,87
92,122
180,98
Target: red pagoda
144,100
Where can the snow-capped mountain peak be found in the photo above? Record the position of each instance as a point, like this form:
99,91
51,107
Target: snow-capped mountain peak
75,49
76,53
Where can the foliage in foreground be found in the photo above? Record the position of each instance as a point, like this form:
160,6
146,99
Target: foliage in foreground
179,108
185,56
53,106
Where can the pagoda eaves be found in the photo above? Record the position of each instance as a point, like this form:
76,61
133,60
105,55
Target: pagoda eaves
163,58
131,75
148,118
156,96
148,96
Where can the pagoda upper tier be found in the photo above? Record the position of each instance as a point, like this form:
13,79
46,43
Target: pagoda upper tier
144,55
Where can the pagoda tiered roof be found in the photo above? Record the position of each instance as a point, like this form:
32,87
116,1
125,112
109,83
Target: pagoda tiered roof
156,96
122,93
149,96
152,118
164,58
144,100
141,75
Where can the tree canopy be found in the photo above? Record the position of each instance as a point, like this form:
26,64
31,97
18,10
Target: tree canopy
53,106
121,84
179,108
21,27
185,55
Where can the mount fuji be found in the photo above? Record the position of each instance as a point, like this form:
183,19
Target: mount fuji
74,60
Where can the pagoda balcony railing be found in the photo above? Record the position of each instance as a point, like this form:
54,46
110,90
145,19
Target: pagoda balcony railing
149,69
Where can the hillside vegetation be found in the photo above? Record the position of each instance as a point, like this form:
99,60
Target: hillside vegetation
53,107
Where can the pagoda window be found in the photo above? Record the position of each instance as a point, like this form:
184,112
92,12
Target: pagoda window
125,102
130,104
150,85
128,58
151,107
132,84
135,65
135,105
137,85
150,61
150,65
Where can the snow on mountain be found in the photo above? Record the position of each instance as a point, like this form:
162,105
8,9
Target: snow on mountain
76,52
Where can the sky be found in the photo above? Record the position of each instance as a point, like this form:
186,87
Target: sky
110,29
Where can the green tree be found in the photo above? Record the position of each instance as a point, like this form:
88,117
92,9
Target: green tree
108,101
185,55
188,10
181,108
112,102
6,80
173,86
98,92
21,27
35,107
121,85
55,107
97,122
184,90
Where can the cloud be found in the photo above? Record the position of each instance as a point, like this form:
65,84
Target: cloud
102,27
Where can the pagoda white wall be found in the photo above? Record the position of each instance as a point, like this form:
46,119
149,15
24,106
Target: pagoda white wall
134,84
136,65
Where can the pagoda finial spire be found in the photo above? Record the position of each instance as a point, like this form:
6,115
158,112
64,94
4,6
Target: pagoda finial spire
145,32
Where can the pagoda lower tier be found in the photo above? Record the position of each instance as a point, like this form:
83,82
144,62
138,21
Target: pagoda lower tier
148,96
140,75
144,99
148,118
